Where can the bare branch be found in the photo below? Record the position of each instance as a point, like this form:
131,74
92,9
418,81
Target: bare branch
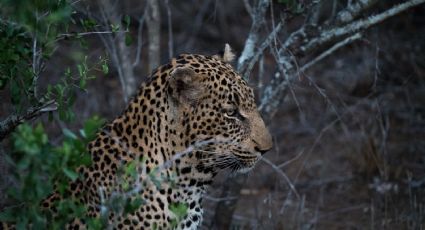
291,160
361,24
314,14
170,30
11,122
330,51
118,49
198,22
34,66
139,38
261,49
36,61
67,35
280,83
219,199
110,46
280,172
353,9
153,22
253,36
312,39
248,8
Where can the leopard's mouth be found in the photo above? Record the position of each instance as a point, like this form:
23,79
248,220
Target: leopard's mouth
236,160
245,161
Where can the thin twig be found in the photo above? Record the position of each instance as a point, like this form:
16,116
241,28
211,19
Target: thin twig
153,22
67,35
170,30
35,71
120,51
11,122
331,50
139,38
291,160
248,8
219,199
280,172
197,25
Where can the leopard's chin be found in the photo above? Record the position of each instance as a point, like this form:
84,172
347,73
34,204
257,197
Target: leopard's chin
245,170
246,165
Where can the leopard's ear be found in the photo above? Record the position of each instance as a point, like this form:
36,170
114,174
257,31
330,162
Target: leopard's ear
226,55
185,85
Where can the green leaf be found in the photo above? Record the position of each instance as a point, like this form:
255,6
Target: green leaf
88,24
68,133
95,223
83,133
80,70
62,113
134,205
127,21
128,39
85,160
68,73
41,135
83,83
70,174
92,125
179,209
105,68
131,169
115,28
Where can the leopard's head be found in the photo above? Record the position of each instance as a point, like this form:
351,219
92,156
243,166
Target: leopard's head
217,113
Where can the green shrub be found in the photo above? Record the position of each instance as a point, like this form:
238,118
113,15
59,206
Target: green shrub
41,168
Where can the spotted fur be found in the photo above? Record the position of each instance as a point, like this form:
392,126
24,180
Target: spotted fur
194,117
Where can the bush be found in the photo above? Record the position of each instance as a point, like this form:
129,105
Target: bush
30,33
40,169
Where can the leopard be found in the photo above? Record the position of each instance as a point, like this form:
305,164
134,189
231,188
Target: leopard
191,119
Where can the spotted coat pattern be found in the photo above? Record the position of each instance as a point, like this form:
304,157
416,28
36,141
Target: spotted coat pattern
193,117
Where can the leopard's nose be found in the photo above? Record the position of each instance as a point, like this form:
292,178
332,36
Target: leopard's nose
262,151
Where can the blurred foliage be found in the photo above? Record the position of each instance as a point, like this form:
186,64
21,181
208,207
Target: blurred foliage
41,168
30,33
180,211
15,56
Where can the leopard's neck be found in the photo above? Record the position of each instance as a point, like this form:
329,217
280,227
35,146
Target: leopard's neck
160,134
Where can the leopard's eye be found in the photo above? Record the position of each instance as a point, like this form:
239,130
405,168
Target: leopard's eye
234,113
